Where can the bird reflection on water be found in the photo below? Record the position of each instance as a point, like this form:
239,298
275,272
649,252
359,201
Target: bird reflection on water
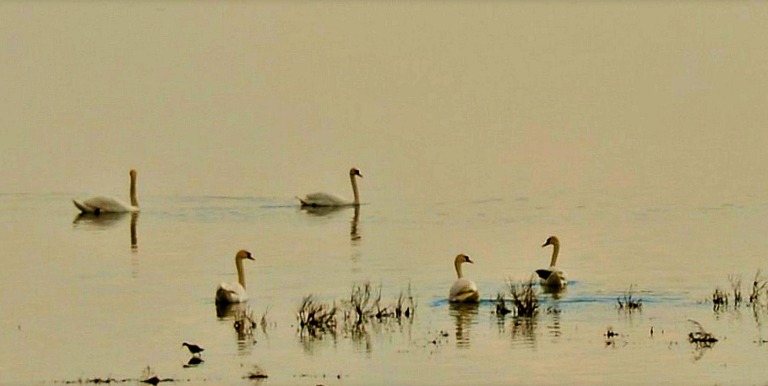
465,315
323,211
101,221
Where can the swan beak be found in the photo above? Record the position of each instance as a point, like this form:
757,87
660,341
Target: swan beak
545,244
470,260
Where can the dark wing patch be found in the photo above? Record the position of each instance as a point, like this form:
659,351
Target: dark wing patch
543,273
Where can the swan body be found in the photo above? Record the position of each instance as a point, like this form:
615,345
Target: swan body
100,204
325,199
552,277
463,290
228,293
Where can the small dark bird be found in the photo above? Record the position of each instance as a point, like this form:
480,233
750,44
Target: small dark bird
193,348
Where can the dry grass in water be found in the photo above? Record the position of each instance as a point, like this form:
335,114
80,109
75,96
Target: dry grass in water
316,318
365,305
524,298
758,290
629,303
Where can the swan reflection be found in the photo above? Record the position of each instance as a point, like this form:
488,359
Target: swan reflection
464,315
323,211
93,221
354,235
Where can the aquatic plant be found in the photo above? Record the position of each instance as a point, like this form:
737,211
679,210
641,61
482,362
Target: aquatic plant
758,289
629,303
365,305
244,323
316,318
719,300
524,298
736,288
501,305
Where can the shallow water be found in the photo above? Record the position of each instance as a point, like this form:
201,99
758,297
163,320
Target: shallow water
108,296
634,131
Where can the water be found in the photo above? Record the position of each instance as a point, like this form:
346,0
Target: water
635,132
85,297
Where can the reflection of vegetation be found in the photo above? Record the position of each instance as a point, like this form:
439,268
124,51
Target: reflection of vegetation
722,299
758,290
524,299
629,303
316,318
719,300
363,308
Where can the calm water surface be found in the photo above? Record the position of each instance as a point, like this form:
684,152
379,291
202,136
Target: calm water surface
634,131
106,297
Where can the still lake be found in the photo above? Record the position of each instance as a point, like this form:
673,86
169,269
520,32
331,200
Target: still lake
633,131
86,298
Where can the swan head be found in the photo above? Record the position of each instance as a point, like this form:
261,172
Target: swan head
552,240
462,258
132,173
355,172
243,254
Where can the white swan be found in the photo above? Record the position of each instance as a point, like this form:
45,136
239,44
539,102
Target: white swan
552,277
99,204
234,292
325,199
463,290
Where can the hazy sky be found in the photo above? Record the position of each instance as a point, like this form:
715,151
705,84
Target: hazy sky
459,100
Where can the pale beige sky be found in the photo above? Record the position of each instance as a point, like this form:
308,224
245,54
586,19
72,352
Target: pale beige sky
458,100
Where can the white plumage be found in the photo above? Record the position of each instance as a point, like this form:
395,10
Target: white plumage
552,277
325,199
463,290
234,292
100,204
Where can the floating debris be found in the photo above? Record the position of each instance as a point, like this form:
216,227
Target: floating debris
701,337
256,373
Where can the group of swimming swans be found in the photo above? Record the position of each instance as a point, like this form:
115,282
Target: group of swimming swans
462,291
226,292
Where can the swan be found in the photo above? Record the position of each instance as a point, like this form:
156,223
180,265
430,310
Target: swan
234,292
325,199
552,277
100,204
463,290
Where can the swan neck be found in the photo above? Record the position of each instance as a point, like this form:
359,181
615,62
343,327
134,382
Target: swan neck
134,200
354,190
555,251
240,272
457,264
